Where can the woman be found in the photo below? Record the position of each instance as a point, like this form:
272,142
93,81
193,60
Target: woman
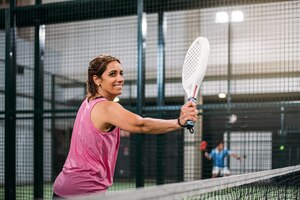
91,161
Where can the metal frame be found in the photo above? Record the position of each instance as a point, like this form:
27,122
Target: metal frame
140,95
10,104
76,10
39,41
160,139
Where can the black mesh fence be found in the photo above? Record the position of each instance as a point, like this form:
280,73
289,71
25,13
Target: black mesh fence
249,98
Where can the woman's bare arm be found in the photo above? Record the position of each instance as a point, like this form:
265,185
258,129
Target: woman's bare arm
111,113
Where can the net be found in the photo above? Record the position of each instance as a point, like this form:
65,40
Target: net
283,183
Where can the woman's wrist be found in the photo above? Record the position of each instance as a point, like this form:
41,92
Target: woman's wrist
178,121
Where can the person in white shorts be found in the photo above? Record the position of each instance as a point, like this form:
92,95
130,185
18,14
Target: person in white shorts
218,156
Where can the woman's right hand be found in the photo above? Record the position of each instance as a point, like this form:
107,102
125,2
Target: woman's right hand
188,112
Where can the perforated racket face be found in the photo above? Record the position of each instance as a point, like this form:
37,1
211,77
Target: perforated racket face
194,66
191,61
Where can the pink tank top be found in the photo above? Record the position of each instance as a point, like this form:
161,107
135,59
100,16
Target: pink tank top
90,165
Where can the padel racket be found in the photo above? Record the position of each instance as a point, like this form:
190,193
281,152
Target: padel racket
193,71
203,146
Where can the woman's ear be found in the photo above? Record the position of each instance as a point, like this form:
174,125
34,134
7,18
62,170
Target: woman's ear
96,80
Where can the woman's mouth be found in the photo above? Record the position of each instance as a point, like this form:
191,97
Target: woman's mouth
118,86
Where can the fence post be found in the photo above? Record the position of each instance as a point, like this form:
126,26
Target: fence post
10,103
140,95
39,44
160,139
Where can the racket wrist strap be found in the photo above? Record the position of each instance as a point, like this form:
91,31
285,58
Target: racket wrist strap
178,121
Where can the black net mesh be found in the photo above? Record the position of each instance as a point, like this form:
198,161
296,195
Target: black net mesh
280,183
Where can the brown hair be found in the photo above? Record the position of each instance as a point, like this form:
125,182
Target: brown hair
97,67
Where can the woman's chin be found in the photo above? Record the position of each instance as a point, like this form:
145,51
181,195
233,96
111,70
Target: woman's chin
117,94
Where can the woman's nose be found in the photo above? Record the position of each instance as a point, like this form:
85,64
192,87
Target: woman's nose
120,78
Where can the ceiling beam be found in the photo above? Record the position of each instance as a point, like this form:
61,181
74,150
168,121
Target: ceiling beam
72,11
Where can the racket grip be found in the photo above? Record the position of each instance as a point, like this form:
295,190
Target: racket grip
189,123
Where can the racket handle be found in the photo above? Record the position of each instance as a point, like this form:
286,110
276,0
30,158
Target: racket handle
189,123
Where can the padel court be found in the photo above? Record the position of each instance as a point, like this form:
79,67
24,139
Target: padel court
249,97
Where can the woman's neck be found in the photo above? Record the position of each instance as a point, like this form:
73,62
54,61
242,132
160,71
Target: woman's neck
108,97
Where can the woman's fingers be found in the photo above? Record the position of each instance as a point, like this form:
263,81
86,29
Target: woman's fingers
190,108
190,104
188,112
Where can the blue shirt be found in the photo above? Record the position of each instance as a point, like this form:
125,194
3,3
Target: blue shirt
219,157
